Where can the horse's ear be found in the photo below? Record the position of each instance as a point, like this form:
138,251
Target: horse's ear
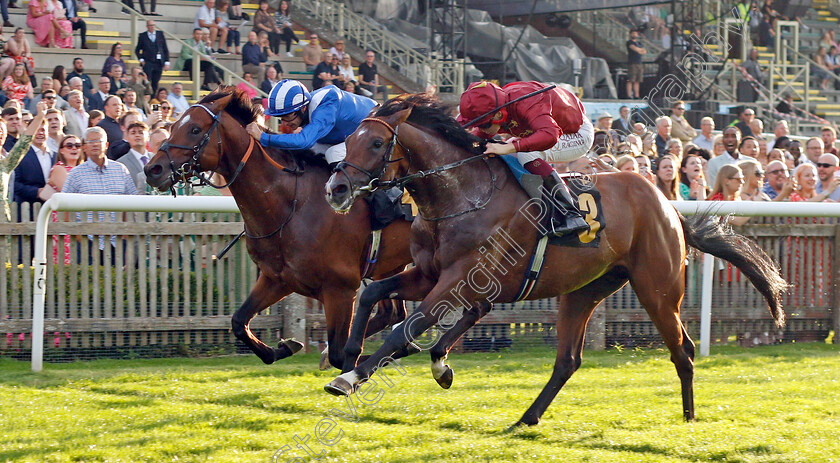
222,102
402,116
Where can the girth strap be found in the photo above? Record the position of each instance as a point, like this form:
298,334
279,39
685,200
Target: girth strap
534,269
372,254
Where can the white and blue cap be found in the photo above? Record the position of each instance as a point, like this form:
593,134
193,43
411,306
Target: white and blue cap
286,97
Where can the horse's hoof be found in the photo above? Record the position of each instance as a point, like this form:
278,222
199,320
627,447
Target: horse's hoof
339,387
286,348
445,380
324,364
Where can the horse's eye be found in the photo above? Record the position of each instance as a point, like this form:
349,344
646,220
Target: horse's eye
377,144
196,131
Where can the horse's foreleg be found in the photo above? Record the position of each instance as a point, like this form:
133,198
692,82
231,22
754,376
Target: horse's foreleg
574,310
264,293
338,308
434,307
442,372
408,285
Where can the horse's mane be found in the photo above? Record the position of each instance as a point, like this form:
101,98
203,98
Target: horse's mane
427,111
244,111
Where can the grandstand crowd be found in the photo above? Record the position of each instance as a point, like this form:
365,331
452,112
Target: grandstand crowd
126,114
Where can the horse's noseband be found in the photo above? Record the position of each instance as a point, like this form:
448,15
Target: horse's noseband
193,165
374,177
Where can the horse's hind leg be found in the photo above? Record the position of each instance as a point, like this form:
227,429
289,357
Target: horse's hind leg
264,293
661,298
574,310
388,312
442,372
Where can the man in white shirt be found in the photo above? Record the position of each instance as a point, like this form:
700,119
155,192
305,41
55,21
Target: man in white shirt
55,129
97,100
137,136
130,101
76,118
206,17
706,140
731,141
178,100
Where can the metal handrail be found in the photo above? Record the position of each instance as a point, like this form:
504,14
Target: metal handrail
230,75
425,70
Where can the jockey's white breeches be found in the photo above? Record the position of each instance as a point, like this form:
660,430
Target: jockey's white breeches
570,146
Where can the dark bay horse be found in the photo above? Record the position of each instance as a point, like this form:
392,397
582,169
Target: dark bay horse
473,242
292,234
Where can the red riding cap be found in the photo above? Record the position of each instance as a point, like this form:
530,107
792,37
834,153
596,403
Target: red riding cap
479,98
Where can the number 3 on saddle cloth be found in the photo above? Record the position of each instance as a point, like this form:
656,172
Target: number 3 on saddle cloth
541,208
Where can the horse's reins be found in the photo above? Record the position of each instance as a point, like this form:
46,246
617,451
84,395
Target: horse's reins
193,166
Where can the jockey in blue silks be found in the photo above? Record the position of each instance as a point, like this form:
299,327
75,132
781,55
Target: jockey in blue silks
326,117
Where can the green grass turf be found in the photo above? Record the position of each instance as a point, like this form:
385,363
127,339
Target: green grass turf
765,404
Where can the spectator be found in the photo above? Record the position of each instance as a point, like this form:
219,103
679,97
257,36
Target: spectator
779,184
79,71
604,121
728,184
20,50
55,129
96,116
338,49
706,139
312,53
97,100
369,76
59,77
253,58
757,127
17,150
635,70
263,22
17,86
6,61
49,25
282,17
233,37
666,179
623,125
680,128
166,111
271,79
795,150
829,136
115,57
781,129
153,53
178,100
827,173
141,86
4,8
113,111
138,137
50,99
345,70
675,148
118,86
34,169
130,101
635,143
68,156
326,73
160,96
753,181
748,146
752,68
120,147
820,70
248,85
627,163
731,155
743,122
639,129
601,143
806,181
645,168
663,134
692,180
76,117
76,23
99,175
156,139
205,17
185,59
814,148
13,126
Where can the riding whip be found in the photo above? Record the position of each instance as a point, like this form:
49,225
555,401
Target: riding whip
227,247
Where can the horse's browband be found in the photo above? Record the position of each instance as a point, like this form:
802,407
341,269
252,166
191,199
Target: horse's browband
374,119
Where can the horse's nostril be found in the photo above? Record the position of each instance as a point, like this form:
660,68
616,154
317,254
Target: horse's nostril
155,170
340,190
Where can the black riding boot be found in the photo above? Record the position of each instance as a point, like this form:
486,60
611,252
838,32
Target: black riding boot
573,222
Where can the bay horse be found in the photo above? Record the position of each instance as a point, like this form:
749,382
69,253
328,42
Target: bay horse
291,232
466,204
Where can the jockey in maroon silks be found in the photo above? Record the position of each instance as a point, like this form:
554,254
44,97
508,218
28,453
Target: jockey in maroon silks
549,126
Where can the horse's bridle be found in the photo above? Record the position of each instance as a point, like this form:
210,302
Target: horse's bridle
374,178
193,165
374,181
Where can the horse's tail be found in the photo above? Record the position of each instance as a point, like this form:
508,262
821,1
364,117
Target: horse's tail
709,234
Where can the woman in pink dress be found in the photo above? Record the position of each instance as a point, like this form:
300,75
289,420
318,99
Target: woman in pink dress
63,26
45,19
69,156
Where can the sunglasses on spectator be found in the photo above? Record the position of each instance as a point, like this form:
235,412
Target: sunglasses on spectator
48,98
825,165
72,145
737,178
775,171
759,173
